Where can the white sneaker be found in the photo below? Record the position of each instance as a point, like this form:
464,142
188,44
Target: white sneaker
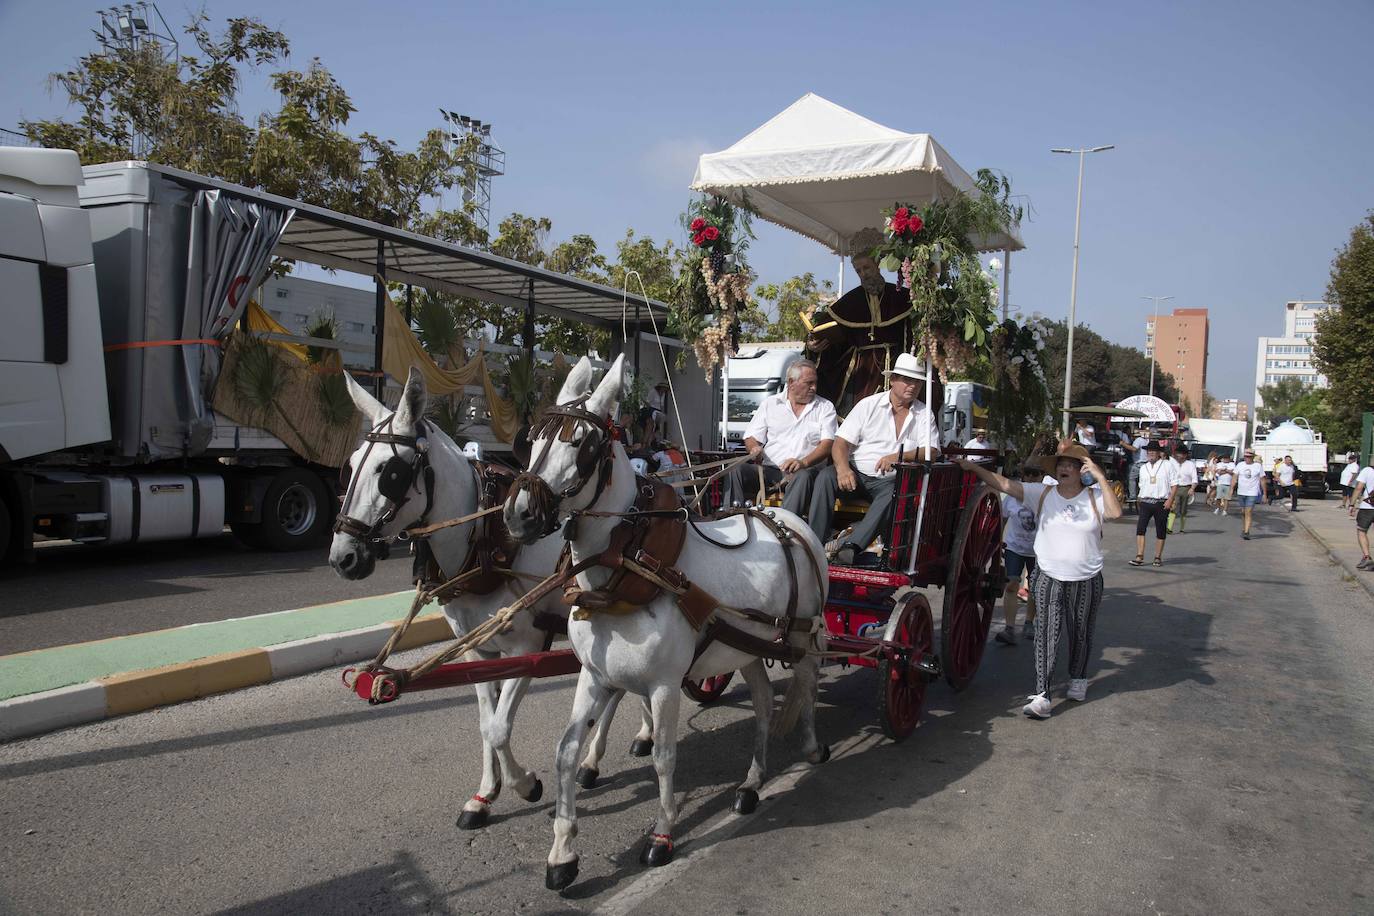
1078,689
1038,707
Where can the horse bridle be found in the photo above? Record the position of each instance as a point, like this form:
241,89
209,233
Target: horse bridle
561,421
398,479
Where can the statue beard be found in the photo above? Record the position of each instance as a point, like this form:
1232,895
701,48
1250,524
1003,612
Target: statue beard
873,286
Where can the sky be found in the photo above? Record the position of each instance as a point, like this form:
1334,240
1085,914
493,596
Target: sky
1244,131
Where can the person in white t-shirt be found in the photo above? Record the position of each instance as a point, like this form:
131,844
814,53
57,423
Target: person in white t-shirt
1018,539
790,436
1087,436
1155,489
1185,482
1362,508
980,441
1226,478
1067,582
1348,474
1286,481
1250,489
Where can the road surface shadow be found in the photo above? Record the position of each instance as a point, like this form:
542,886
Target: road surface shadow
398,887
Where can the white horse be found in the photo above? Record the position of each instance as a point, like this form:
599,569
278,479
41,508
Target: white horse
455,494
650,651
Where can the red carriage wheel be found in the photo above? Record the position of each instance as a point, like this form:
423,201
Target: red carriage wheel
902,686
708,690
974,581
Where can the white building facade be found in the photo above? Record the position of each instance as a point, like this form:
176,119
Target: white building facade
294,301
1290,356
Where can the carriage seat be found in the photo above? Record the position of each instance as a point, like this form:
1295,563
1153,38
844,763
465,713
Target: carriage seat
848,510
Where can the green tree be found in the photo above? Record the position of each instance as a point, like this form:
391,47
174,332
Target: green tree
787,303
1341,348
1280,399
1103,372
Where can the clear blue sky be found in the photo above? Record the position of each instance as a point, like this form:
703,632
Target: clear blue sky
1244,131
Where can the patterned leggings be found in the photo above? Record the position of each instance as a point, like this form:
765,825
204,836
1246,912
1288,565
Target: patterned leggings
1063,605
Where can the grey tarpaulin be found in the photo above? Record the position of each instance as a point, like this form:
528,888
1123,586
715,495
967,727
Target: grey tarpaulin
231,248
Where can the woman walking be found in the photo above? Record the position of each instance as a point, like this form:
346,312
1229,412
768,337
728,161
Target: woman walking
1067,583
1209,474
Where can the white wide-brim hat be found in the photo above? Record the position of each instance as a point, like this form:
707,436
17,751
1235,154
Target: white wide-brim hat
907,365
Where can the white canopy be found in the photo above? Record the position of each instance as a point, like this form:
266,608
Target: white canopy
826,172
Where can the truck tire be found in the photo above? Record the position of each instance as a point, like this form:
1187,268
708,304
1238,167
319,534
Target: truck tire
295,513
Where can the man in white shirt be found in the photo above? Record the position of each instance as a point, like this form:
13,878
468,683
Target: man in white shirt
1155,486
1087,436
1362,508
881,429
1185,482
1286,480
1348,474
1137,450
1250,489
790,436
980,441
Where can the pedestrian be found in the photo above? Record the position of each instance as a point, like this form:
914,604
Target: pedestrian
980,442
1087,435
789,436
1274,476
1348,474
1250,487
1362,509
1185,482
1226,473
1138,445
1067,583
1155,491
1018,558
1286,480
1209,474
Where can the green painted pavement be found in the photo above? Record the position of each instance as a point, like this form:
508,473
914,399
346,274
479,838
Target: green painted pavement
61,666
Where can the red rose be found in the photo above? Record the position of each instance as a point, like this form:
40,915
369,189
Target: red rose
698,224
899,224
698,239
710,233
915,224
902,213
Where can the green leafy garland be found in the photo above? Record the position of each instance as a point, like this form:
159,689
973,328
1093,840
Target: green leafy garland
714,280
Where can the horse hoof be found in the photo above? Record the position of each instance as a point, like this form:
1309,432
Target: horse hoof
746,800
656,854
586,777
473,820
557,877
536,792
641,747
822,755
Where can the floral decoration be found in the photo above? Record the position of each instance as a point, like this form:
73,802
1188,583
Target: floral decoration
714,280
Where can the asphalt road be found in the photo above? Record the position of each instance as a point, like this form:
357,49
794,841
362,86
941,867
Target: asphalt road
1222,764
75,593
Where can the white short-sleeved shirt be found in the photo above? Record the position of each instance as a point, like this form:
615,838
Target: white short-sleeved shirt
1156,479
1285,474
1249,479
1068,539
1019,535
785,435
1226,472
872,432
1086,436
1139,443
1349,473
1366,477
1185,473
974,443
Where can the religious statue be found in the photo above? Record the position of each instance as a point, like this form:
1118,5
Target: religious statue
862,333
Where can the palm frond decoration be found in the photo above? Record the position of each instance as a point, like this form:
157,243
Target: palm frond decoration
326,327
436,326
260,379
335,404
450,415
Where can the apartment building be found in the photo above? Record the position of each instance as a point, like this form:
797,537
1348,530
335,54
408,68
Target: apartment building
294,301
1290,356
1230,409
1178,344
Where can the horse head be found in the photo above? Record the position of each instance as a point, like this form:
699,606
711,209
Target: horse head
569,453
389,482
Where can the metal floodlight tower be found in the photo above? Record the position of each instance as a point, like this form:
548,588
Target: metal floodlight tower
131,28
487,160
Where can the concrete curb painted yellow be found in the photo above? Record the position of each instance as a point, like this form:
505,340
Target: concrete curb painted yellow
137,691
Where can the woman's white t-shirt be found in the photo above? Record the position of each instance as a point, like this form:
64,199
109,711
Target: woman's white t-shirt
1224,471
1068,542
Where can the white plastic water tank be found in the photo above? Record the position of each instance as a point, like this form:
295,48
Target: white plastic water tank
1290,433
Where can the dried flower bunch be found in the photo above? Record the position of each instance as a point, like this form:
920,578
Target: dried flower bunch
714,280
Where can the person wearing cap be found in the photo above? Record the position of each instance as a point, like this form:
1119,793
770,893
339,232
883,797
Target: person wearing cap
1250,487
980,441
1348,474
790,436
1066,586
1155,489
1185,482
882,428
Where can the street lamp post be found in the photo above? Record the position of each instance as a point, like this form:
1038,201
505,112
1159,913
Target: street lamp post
1154,346
1073,290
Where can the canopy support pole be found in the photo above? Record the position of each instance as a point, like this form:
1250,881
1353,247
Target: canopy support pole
1006,282
410,303
527,332
380,281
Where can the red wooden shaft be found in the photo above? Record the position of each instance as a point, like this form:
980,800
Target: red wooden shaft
537,664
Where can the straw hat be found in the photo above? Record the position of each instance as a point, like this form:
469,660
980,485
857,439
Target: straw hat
908,366
1072,450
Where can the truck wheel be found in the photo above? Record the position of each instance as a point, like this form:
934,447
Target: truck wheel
295,512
